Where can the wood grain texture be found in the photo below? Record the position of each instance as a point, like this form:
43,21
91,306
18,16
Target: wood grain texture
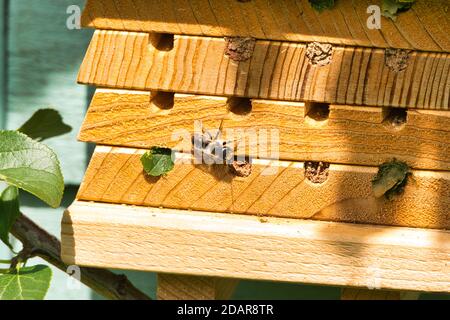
184,287
276,70
236,246
351,135
274,188
367,294
424,27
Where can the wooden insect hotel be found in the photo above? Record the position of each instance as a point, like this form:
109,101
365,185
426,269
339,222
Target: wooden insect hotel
342,131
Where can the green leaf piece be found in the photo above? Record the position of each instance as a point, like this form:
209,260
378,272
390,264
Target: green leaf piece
157,161
391,179
31,166
45,124
9,212
321,5
27,283
391,8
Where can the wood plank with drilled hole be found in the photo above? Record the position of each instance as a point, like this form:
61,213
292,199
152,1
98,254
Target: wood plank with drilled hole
274,188
423,27
276,70
237,246
184,287
348,135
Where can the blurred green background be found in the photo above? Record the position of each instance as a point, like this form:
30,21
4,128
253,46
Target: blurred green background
40,60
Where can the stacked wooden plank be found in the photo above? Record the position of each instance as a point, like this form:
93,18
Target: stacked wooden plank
338,99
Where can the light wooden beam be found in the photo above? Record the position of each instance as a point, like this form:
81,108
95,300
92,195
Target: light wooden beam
275,70
347,134
236,246
184,287
274,188
422,28
368,294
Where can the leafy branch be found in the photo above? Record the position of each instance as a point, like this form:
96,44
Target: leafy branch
39,243
28,164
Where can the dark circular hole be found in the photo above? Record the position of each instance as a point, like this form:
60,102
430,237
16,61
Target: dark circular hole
239,106
163,100
162,41
318,111
395,118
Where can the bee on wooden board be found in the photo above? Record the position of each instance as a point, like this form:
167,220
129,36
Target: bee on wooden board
209,148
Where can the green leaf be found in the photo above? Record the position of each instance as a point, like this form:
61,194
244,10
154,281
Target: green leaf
321,5
9,212
31,166
391,179
157,161
27,283
391,8
44,124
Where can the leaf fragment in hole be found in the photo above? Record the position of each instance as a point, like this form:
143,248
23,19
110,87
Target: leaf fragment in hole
321,5
391,8
391,179
157,161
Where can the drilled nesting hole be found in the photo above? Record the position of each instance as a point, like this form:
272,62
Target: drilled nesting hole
162,41
317,172
239,106
317,111
395,118
241,168
162,100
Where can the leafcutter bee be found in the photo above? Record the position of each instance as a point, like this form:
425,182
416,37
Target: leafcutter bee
210,149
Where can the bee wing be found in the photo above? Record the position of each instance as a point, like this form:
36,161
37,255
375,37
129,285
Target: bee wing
219,131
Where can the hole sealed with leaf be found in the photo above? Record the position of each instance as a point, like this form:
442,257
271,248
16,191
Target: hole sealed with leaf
395,118
319,112
162,41
157,161
162,100
239,106
391,179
